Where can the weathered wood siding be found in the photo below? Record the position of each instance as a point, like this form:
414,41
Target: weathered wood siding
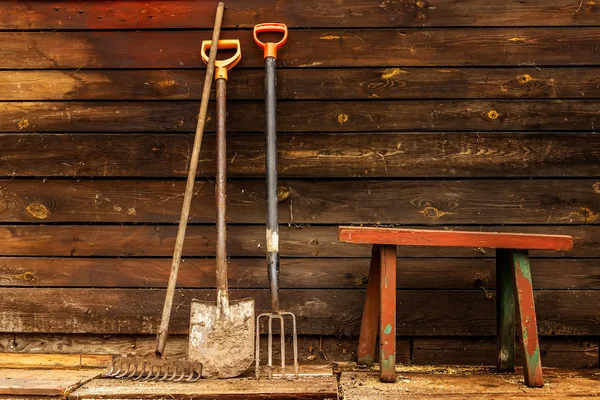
467,114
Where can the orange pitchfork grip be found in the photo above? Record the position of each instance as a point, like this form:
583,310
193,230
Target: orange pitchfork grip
270,49
222,66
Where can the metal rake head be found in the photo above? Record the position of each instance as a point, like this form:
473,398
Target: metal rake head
144,369
280,316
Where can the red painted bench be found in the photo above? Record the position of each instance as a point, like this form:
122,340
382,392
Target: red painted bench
513,287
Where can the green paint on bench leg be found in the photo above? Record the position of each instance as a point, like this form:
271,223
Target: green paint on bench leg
523,263
527,318
366,359
389,363
388,329
388,369
505,312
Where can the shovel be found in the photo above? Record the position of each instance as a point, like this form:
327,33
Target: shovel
222,334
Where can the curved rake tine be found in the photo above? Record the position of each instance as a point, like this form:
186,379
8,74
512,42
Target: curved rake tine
180,378
124,372
172,377
110,371
142,372
149,369
135,368
152,373
158,373
192,378
188,375
118,371
166,375
155,374
140,377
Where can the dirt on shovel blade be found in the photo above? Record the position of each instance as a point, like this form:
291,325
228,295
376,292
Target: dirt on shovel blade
224,346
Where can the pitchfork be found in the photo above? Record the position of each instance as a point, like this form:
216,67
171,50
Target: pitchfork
270,56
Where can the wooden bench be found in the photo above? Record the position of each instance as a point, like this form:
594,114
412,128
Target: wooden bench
513,284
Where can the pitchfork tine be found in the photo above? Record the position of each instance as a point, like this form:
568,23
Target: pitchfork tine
271,317
282,340
295,340
270,349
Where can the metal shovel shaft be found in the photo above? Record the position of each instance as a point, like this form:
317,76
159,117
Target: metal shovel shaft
271,180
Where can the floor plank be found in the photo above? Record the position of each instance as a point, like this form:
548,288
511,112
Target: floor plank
45,382
313,387
468,383
53,360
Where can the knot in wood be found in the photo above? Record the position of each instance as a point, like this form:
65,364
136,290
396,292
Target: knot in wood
493,114
38,210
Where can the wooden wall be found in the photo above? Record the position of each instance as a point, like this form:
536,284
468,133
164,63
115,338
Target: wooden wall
467,114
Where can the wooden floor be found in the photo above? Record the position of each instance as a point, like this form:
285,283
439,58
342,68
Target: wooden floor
425,382
345,381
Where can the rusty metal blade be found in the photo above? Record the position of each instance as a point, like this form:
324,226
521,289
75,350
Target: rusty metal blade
222,341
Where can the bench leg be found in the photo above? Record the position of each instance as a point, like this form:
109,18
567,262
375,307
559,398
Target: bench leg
387,323
370,316
505,312
532,367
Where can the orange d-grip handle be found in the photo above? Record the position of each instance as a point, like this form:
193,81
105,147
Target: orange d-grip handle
222,66
270,49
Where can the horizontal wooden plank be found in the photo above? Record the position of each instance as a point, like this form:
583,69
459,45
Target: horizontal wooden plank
306,273
308,48
347,116
304,84
247,241
320,387
556,352
53,361
437,238
308,202
476,154
319,312
155,14
311,349
46,382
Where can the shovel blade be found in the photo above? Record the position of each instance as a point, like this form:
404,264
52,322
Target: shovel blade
224,344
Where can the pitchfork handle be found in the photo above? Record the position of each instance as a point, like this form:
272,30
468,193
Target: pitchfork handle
271,181
270,55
